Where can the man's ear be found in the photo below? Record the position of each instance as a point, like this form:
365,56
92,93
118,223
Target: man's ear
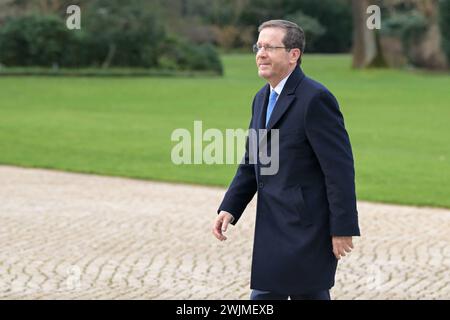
296,54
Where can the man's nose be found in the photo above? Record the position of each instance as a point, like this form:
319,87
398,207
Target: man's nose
261,53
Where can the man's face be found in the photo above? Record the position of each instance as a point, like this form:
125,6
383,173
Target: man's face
273,65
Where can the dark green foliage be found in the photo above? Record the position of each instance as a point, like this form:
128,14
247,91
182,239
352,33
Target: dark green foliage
34,40
312,28
178,54
113,34
407,26
334,16
444,24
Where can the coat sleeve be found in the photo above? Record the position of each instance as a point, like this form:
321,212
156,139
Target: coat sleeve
328,137
243,187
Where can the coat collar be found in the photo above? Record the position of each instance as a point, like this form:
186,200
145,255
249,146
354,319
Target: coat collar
284,100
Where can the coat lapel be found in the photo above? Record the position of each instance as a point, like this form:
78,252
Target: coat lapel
285,100
263,101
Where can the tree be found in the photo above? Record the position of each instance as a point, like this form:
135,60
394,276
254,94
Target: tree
410,28
366,44
428,51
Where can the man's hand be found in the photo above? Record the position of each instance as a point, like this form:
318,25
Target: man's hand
221,224
341,246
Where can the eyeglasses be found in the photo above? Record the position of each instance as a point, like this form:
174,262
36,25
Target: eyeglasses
257,48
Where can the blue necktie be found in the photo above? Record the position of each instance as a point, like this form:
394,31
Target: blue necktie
271,105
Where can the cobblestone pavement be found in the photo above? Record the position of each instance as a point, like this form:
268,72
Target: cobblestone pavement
76,236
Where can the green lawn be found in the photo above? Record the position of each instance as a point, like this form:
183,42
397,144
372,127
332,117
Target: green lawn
398,123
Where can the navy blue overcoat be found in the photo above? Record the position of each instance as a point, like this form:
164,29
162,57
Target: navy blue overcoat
310,199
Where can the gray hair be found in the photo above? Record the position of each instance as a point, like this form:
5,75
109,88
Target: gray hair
294,37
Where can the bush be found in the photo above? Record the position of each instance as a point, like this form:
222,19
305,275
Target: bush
122,35
178,54
78,52
444,24
135,40
34,40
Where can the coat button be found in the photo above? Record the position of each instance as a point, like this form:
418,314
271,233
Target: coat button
261,185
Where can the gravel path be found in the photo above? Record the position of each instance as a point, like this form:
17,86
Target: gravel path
78,236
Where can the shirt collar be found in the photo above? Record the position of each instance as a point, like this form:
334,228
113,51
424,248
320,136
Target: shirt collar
280,85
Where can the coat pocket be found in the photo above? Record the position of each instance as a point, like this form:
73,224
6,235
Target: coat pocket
302,210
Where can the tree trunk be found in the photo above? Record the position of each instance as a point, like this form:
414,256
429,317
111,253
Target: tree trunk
366,47
110,56
427,52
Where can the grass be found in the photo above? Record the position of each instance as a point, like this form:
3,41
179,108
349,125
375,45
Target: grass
398,123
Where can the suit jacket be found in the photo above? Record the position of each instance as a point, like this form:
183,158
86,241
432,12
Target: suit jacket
310,199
